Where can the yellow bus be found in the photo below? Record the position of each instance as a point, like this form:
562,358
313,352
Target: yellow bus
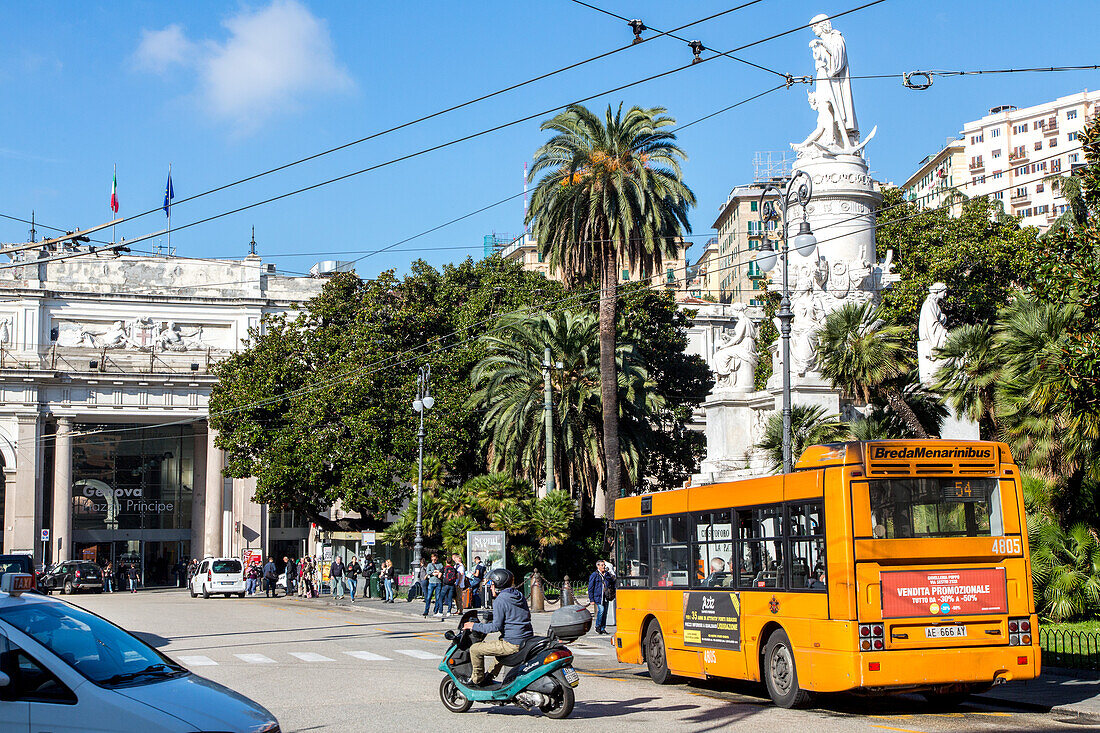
876,567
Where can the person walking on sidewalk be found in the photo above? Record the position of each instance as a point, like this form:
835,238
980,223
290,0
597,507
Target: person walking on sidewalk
353,569
389,580
476,576
271,577
434,575
601,591
109,578
336,577
450,580
370,568
291,575
132,576
460,582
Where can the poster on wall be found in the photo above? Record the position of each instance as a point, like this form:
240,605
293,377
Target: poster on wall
491,547
712,620
925,593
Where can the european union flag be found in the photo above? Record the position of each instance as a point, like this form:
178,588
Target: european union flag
169,194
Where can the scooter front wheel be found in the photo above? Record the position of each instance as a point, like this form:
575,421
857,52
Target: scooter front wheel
561,702
452,697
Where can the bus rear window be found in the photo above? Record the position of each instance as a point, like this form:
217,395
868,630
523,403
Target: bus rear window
935,507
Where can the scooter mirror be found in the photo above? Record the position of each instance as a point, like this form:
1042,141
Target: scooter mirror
449,636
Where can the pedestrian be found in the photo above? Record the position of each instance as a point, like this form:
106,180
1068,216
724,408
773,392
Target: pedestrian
271,577
291,575
434,578
352,571
370,568
336,577
450,580
476,577
460,582
389,580
108,579
601,591
132,576
307,578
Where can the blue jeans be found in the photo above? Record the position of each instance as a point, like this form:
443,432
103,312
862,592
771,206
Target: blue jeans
434,589
389,588
352,583
443,605
250,586
601,615
337,585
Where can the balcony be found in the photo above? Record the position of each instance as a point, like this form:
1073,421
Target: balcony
1020,198
1051,127
977,166
1018,157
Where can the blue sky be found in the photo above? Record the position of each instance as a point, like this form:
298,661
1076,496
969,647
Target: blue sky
226,90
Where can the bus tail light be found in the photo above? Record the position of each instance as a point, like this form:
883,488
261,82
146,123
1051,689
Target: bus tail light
871,637
1019,632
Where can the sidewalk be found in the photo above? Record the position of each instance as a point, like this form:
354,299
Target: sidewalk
1060,691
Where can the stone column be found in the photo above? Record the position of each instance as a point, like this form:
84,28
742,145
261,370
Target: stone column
63,491
215,498
198,492
23,511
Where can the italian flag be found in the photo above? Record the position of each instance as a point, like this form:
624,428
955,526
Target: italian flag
114,191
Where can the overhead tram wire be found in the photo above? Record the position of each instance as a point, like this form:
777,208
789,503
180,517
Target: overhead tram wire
672,34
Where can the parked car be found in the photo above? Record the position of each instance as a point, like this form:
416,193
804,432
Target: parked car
72,576
65,669
224,575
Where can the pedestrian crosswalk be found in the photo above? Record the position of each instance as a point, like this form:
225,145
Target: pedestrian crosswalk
334,655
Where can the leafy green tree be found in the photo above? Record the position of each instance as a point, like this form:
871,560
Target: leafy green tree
1065,567
810,425
864,355
612,193
969,372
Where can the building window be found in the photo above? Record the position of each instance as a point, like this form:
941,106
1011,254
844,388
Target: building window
753,205
1053,142
1022,170
1017,129
995,132
1021,192
1071,115
1074,157
1038,144
1072,136
670,275
997,174
975,139
1039,188
996,153
540,256
626,274
1055,166
1039,167
999,195
1038,124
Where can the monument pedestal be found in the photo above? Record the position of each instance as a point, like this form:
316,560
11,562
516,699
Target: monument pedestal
810,390
734,425
956,427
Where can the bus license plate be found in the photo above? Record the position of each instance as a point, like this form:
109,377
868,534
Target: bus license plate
944,632
572,677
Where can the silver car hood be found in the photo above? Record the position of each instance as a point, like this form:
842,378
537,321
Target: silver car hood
203,704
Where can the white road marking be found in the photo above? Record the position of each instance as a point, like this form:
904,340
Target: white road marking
198,661
254,658
417,654
368,656
310,657
586,652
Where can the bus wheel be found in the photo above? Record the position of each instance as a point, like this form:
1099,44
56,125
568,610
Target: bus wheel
655,656
780,674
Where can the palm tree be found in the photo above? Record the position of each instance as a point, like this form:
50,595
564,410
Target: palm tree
508,388
969,372
1077,211
809,426
1066,569
865,356
612,193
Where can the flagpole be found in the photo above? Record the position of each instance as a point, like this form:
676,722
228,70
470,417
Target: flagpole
114,183
167,194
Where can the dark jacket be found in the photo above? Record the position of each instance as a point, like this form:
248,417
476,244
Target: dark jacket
353,570
596,584
271,572
336,570
511,617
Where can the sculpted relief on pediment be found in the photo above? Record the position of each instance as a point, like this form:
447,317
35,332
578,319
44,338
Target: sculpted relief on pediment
141,334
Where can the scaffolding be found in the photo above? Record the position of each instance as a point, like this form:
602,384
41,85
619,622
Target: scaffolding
769,166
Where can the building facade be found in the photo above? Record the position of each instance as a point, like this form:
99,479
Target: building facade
740,233
105,367
1011,151
933,183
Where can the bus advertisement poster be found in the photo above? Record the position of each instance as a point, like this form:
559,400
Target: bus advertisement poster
712,620
962,592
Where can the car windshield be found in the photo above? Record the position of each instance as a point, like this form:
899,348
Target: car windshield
227,566
96,648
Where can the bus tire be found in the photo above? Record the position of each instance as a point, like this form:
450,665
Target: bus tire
780,674
656,656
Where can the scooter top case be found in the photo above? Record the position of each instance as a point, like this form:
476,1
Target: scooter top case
570,623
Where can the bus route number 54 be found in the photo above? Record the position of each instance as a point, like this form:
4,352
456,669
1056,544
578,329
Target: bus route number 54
1007,546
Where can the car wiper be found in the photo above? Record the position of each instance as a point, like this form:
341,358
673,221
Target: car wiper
160,669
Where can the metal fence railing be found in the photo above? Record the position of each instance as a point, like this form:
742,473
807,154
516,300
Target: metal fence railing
1070,649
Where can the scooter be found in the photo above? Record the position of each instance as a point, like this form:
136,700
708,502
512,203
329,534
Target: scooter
540,675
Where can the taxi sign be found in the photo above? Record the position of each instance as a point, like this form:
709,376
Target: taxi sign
16,583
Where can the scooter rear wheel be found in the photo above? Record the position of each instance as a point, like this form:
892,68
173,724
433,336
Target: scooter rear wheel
561,703
452,697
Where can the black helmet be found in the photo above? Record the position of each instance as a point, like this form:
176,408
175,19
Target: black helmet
501,578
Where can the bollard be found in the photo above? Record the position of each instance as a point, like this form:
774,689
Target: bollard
566,592
538,599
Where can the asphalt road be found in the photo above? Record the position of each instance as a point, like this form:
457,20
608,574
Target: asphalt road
322,668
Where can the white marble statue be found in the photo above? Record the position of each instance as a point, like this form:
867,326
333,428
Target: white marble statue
735,358
5,331
833,85
931,333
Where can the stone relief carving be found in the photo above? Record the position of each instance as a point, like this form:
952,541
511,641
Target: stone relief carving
735,356
931,333
137,334
5,330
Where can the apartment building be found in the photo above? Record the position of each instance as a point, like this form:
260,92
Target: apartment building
1010,152
704,275
672,275
739,236
934,181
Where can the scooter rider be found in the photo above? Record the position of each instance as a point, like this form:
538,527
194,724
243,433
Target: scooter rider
511,617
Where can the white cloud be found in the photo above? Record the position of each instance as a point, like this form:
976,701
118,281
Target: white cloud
271,60
161,50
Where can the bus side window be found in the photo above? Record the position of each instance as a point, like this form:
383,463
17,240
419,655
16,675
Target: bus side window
807,546
630,550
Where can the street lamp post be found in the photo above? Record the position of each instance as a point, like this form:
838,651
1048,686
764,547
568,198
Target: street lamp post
423,402
798,190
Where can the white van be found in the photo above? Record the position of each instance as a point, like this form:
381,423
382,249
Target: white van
215,575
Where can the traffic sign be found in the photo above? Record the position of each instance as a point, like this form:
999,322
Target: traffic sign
45,535
369,538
